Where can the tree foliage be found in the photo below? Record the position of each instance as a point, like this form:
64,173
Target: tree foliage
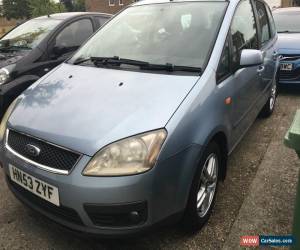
74,5
44,7
68,4
24,9
79,5
17,9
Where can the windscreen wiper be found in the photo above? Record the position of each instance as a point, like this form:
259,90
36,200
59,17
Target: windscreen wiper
288,31
283,31
115,60
83,60
171,67
14,47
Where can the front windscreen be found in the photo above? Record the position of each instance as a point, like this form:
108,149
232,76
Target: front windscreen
29,34
170,33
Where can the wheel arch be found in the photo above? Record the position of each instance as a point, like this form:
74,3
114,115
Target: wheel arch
220,137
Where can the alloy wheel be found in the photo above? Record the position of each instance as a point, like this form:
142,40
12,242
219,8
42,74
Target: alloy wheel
273,97
208,185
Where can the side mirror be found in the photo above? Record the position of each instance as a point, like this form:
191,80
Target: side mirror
251,57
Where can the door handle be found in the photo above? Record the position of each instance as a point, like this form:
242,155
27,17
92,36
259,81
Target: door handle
260,69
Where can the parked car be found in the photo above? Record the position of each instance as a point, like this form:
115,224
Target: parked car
135,129
35,47
287,21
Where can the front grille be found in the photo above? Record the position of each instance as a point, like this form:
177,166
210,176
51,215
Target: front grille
51,156
291,57
290,75
64,213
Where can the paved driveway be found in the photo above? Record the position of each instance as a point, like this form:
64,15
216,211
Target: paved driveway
21,228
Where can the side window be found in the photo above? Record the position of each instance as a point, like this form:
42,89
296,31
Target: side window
263,22
271,22
243,31
72,36
224,64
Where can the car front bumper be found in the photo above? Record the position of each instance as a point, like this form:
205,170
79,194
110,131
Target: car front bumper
111,206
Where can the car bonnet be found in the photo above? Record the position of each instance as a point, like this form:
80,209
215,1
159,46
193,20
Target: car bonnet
86,108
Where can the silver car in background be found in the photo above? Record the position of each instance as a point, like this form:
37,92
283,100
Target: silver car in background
136,128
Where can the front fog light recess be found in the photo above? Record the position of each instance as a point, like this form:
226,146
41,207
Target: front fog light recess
129,156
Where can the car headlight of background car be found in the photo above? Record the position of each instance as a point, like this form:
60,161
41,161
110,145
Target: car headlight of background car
5,73
133,155
5,118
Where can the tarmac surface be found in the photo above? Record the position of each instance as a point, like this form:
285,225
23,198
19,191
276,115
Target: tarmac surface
257,197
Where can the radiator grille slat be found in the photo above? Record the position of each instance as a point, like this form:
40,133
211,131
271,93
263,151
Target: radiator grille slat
50,155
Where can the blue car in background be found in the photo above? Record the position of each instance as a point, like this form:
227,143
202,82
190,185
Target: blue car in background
288,27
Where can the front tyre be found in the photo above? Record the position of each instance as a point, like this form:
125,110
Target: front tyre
203,190
268,109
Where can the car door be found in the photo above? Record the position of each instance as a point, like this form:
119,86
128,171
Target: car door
68,40
246,81
267,39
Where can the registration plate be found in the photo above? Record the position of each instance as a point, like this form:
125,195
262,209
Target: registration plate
34,185
286,66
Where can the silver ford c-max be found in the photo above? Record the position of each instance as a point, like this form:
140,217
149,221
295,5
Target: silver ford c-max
135,128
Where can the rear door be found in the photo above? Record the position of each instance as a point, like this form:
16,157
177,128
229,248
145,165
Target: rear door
267,40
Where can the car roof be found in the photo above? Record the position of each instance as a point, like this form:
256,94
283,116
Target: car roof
146,2
168,1
67,15
286,10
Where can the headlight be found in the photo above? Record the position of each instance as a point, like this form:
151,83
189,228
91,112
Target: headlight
4,75
5,119
133,155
